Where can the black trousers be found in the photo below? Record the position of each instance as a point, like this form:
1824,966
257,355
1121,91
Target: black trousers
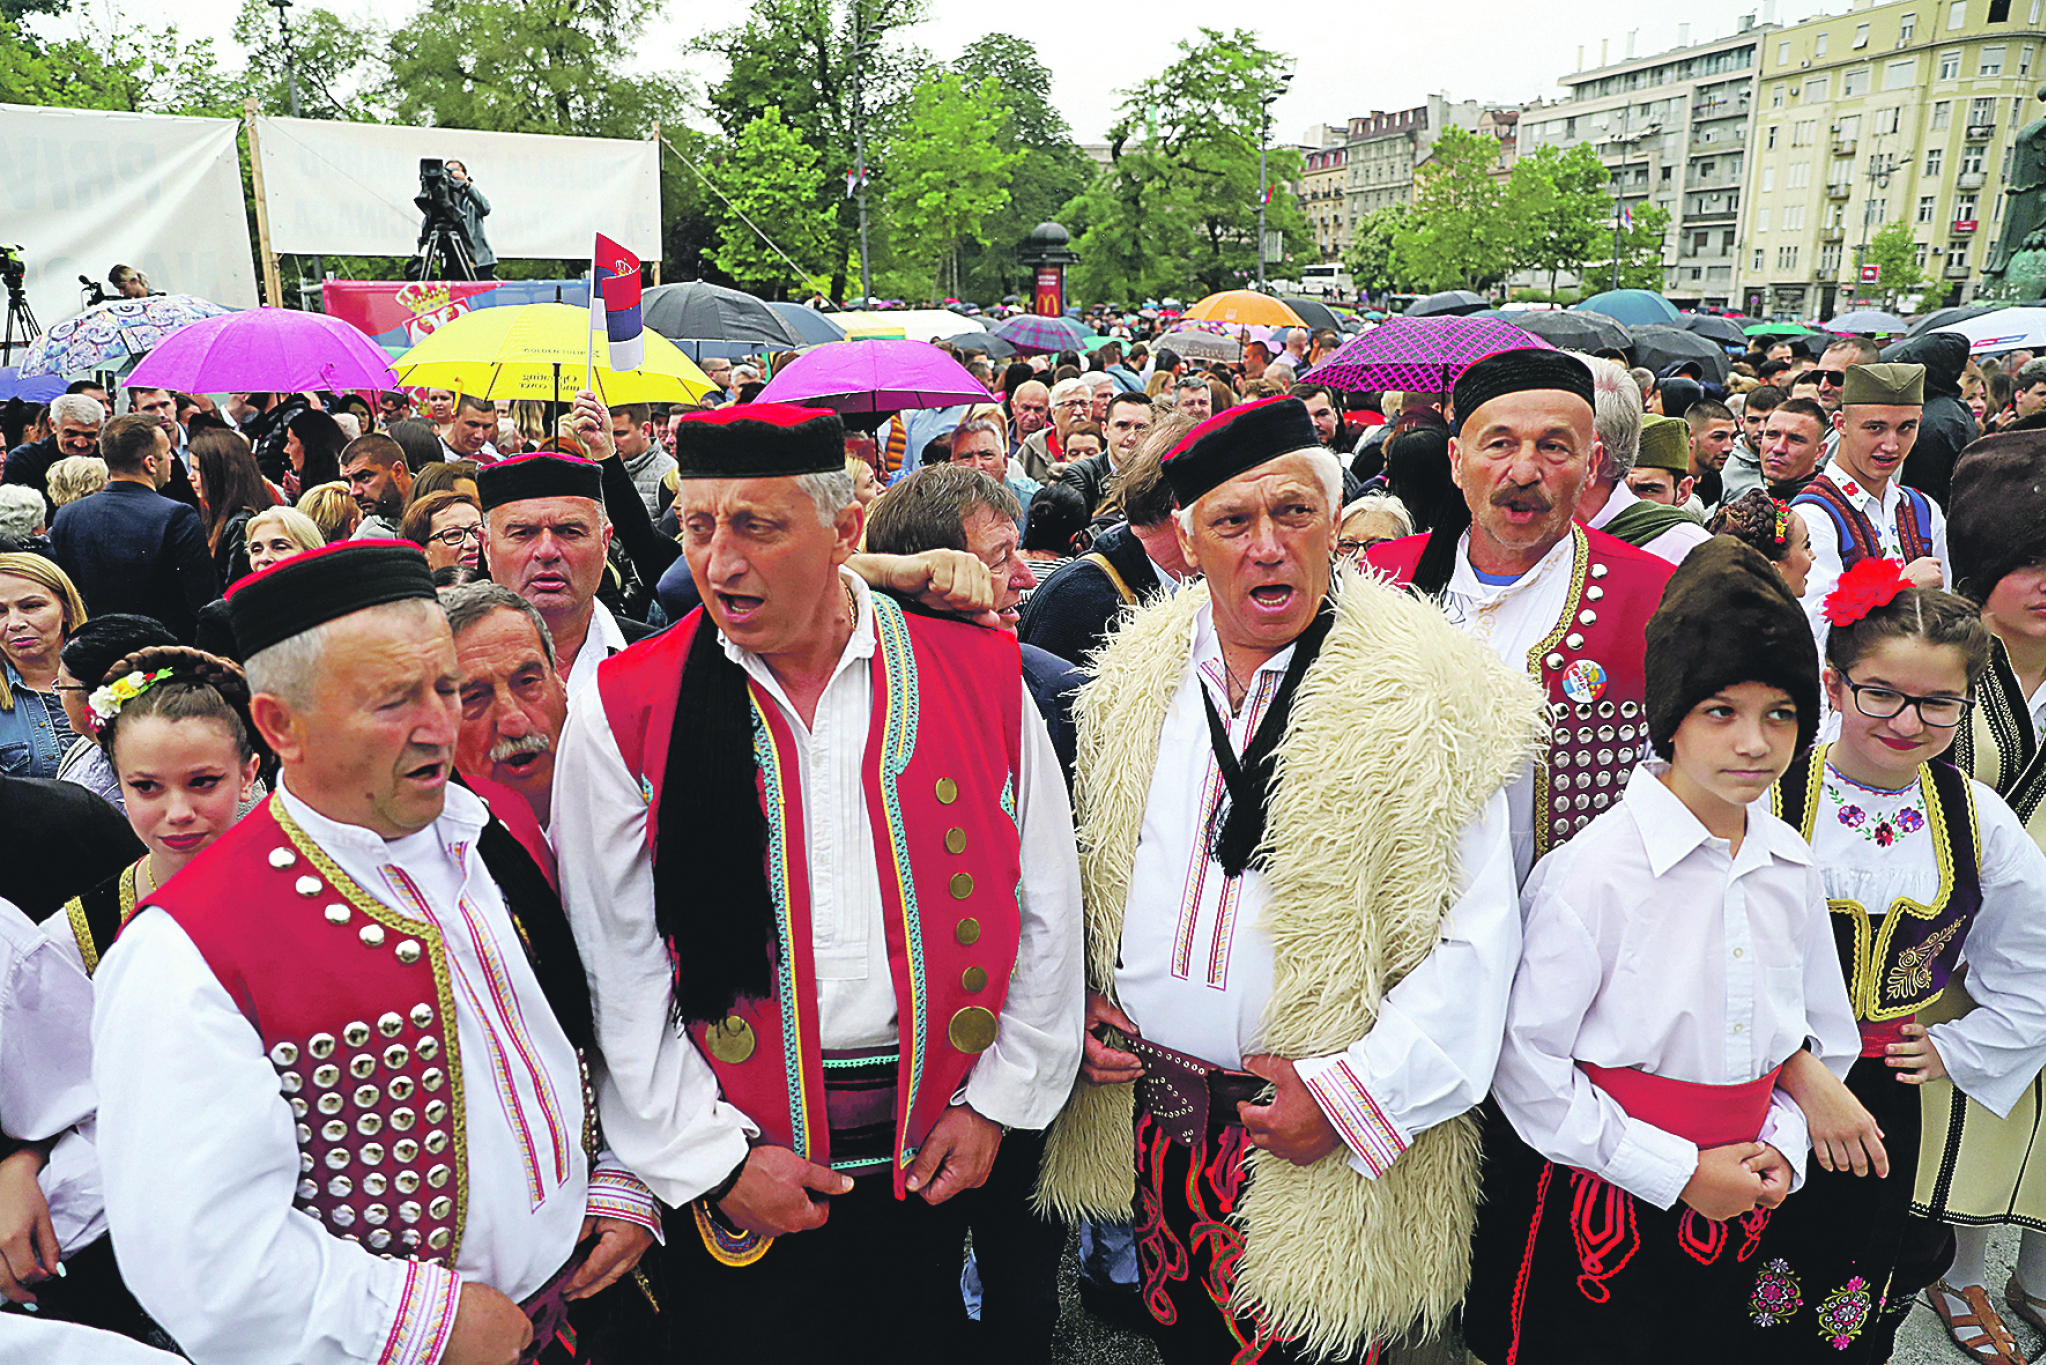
1018,1254
92,1294
880,1280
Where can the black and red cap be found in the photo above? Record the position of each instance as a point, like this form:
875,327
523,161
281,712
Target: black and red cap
1234,440
542,475
1520,370
759,441
307,590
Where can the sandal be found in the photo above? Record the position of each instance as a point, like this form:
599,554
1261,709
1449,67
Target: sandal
2030,1309
1980,1332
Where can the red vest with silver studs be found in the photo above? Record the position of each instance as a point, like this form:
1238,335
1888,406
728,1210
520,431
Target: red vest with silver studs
939,776
353,1004
1590,667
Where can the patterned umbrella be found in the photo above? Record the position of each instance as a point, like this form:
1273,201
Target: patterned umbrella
107,336
1423,355
1193,344
1028,332
875,376
279,350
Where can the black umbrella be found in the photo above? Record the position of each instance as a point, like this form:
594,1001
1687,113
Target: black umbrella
987,343
1946,316
1725,331
1574,331
1656,346
1315,314
708,320
1449,301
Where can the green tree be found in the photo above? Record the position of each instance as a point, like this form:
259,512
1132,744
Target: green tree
1461,234
1896,251
1371,257
1560,199
519,68
771,178
1048,171
339,62
153,71
1641,250
945,172
1179,200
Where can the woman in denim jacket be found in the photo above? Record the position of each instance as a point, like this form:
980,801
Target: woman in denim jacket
39,608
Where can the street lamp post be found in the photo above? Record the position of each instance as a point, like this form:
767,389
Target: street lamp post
1878,179
291,86
1264,135
861,48
1626,143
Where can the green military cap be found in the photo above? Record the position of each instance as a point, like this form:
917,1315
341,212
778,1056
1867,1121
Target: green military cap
1892,385
1665,444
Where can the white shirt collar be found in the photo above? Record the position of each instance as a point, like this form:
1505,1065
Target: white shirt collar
1464,580
1858,492
1617,501
461,820
1670,833
860,647
1206,657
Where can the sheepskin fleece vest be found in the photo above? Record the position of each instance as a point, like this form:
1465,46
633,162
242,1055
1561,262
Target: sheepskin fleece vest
1402,729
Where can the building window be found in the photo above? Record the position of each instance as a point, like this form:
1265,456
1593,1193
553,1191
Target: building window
1884,121
1762,219
1815,90
1861,35
1726,242
1805,133
1799,177
1928,207
1854,83
1943,114
1786,258
1999,11
1768,178
1989,61
1907,26
1964,209
1769,140
1950,66
1933,157
1760,257
1776,95
1876,211
2025,60
1783,54
1829,258
1957,16
1981,110
1793,218
1901,75
1819,47
1923,248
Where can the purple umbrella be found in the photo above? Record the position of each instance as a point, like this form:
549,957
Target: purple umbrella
1423,355
276,350
1028,332
875,376
37,388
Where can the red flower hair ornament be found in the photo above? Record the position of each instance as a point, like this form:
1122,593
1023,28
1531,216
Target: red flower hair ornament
1870,584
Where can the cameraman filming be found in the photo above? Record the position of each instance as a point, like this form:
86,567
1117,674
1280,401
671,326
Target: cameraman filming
474,208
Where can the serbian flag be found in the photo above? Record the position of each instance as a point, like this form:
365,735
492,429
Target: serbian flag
614,303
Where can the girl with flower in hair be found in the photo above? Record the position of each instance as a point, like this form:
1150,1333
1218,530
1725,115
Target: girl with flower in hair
1925,868
173,722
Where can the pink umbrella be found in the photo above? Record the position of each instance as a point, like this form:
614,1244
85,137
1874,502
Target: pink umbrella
277,350
875,376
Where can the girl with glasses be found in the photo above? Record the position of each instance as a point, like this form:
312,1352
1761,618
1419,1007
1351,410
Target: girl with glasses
1925,869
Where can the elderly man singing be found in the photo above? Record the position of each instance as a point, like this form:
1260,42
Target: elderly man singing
1291,795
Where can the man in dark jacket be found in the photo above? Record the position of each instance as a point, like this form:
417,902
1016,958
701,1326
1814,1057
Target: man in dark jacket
129,548
1948,427
75,420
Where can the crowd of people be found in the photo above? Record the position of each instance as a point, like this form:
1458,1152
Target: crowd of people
1553,866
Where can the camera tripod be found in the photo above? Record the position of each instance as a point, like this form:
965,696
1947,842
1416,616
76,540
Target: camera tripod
22,327
443,253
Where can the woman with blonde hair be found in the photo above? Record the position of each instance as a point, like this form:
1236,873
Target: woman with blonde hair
74,477
39,608
333,509
273,534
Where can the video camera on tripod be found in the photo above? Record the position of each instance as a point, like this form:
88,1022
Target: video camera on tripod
22,327
445,251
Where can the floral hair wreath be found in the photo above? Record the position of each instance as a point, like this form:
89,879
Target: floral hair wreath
1870,584
1782,522
106,702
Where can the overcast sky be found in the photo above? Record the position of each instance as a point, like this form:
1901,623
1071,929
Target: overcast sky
1351,58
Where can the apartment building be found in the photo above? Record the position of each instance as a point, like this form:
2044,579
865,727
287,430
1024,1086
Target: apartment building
1902,111
1382,149
1673,129
1323,161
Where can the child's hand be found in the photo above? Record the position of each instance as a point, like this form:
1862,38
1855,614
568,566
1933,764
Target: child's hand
1916,1058
1723,1187
1775,1174
1845,1136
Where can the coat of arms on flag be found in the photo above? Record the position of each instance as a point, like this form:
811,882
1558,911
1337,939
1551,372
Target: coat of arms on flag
614,303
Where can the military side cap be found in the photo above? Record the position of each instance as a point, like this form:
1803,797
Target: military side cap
1234,440
294,595
1890,384
759,441
1665,444
542,475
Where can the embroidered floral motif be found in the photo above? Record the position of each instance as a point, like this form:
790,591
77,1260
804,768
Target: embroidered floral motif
1845,1312
1880,829
1777,1295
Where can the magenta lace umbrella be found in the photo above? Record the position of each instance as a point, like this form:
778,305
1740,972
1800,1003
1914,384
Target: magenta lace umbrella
1418,355
875,376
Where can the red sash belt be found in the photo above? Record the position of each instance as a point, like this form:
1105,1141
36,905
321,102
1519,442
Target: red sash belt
1877,1035
1709,1115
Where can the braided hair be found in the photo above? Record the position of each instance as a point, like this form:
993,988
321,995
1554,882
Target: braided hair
1756,520
201,686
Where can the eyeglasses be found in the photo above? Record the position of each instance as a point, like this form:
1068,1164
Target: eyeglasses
1358,547
1077,403
69,687
455,535
1882,703
1834,377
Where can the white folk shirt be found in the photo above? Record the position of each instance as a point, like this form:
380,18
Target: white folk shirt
201,1163
1195,971
1671,546
600,642
660,1100
1513,618
1824,574
1996,1050
1651,944
46,1075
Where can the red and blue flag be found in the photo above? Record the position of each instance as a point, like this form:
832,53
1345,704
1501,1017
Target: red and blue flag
614,303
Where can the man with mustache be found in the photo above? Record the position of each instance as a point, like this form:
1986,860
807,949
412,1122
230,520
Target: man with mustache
514,701
1551,596
1855,508
1257,870
352,1035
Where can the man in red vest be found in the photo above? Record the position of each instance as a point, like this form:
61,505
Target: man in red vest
820,860
1565,602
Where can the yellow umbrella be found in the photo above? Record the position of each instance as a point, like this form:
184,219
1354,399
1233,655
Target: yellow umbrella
1243,306
536,351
